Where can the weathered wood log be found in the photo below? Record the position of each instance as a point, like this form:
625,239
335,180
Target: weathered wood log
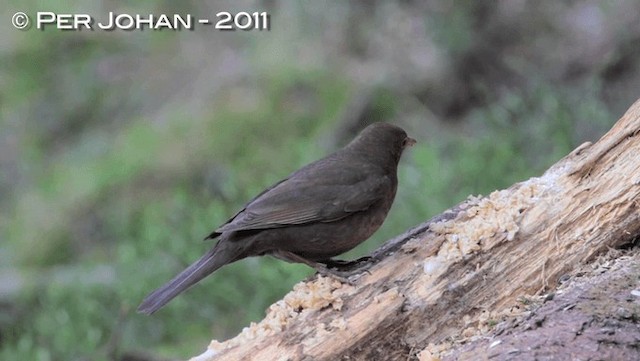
435,280
592,315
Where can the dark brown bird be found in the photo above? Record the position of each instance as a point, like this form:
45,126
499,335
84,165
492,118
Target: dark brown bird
319,211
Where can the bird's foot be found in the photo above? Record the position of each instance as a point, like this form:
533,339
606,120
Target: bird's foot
354,266
336,275
344,271
336,269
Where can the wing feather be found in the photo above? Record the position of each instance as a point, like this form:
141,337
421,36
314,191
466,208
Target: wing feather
304,202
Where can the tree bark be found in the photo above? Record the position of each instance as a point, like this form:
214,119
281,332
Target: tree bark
484,255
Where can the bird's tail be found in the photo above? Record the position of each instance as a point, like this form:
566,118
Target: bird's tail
217,257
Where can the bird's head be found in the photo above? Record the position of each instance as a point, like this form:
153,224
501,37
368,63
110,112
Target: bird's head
382,140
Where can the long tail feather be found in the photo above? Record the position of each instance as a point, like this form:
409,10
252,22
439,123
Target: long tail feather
207,264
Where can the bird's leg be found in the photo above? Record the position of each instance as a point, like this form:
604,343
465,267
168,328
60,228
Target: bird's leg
348,268
321,268
344,265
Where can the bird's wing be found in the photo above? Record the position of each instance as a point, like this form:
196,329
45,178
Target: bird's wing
295,201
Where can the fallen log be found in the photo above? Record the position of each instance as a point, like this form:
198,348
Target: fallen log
443,276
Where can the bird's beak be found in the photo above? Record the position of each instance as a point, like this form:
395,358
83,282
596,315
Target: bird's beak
409,142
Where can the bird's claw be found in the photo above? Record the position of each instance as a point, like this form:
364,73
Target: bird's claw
347,277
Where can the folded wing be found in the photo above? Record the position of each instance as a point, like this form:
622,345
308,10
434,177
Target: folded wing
293,202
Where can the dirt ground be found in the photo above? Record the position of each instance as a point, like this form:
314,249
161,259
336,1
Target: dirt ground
593,315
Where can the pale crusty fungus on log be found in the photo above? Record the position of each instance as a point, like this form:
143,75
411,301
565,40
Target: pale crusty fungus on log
439,278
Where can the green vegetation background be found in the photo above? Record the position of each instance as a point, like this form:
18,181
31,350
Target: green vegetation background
120,151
